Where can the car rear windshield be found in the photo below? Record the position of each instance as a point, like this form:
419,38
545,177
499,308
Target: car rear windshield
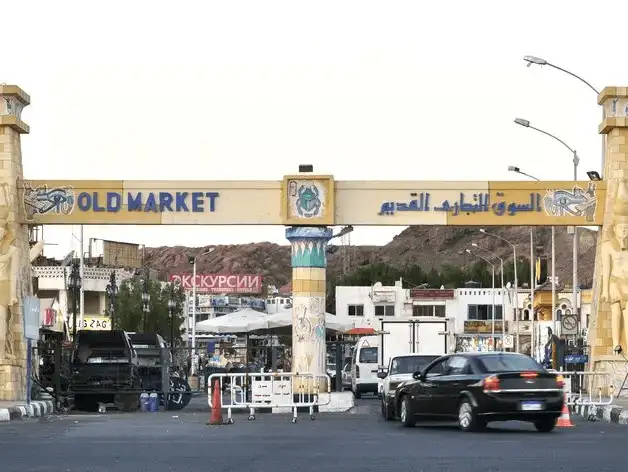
495,363
368,355
410,364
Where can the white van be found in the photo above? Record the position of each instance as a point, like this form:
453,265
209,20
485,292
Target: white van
364,366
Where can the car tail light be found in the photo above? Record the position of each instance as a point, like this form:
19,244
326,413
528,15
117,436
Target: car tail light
560,381
529,375
490,384
357,371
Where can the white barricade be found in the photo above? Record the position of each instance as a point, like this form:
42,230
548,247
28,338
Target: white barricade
588,388
256,390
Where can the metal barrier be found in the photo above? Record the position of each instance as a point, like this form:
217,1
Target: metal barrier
588,388
259,390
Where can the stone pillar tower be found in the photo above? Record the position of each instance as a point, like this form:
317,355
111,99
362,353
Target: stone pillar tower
608,331
309,263
15,277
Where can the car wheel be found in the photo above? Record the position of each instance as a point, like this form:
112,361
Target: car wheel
406,413
545,425
387,411
468,419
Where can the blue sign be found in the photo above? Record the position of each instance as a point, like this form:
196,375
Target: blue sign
478,203
195,202
576,359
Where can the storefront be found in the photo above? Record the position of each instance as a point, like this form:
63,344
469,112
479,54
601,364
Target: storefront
480,336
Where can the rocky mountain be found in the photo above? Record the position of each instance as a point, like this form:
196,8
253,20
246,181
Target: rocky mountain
428,246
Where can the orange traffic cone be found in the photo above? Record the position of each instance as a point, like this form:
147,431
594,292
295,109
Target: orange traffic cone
216,415
565,419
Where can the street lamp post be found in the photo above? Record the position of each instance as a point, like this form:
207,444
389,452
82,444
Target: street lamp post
112,293
501,267
542,62
171,306
74,284
575,251
517,317
145,301
192,260
493,290
555,325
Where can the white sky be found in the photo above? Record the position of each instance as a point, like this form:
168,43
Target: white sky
250,89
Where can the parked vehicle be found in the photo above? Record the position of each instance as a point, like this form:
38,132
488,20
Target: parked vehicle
104,369
346,376
364,366
399,370
418,335
477,388
154,361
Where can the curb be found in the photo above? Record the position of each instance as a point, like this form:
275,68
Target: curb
606,413
35,410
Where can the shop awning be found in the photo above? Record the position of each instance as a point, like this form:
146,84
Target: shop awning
361,331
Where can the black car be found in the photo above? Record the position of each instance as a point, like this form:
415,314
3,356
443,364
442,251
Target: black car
477,388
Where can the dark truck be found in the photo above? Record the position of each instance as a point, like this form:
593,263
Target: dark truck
104,369
154,360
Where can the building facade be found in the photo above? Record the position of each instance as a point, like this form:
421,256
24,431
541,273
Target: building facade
470,310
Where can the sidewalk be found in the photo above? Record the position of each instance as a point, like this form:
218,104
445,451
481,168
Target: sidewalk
615,413
12,411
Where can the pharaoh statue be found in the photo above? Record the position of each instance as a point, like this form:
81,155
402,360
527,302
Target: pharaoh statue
9,268
615,268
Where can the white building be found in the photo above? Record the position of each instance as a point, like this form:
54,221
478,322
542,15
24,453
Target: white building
470,310
51,286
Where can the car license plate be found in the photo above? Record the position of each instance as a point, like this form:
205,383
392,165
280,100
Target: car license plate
531,406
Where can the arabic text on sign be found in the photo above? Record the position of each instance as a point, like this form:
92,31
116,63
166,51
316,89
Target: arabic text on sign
178,202
478,203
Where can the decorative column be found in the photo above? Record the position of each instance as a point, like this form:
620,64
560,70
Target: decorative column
608,330
15,272
309,263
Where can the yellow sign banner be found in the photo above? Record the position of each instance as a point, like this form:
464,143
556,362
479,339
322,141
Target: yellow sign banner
311,200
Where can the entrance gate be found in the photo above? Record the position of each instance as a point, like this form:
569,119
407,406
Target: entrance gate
308,205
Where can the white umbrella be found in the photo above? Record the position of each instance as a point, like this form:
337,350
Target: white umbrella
241,321
284,319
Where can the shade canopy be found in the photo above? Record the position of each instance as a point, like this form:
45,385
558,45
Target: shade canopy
284,319
241,321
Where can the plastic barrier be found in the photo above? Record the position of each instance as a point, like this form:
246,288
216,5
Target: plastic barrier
253,391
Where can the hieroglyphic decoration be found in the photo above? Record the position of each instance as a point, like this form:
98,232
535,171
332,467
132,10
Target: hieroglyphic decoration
308,331
615,268
9,278
11,105
306,198
42,201
575,202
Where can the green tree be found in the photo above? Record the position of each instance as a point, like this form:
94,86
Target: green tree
130,314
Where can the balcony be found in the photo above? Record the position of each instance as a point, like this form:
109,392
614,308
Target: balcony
95,279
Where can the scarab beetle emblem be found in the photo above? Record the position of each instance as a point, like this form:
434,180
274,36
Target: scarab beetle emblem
308,202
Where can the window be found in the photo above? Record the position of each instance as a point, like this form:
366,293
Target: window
437,369
458,366
368,355
410,364
355,310
428,310
483,312
384,310
502,362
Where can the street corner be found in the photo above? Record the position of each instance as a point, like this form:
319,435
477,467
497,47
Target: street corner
606,413
14,411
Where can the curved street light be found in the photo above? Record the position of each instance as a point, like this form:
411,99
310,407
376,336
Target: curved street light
501,268
468,251
542,62
575,251
514,262
518,171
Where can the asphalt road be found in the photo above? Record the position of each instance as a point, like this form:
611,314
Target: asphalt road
161,442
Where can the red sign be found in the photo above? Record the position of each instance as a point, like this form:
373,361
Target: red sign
220,283
434,294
